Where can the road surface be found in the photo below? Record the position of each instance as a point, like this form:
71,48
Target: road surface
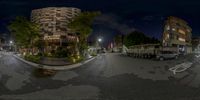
110,76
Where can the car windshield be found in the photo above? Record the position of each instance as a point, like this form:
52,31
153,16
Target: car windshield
99,49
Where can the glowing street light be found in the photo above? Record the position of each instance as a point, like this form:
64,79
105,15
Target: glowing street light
11,42
100,40
11,45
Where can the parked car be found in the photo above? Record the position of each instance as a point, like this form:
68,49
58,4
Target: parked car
103,50
162,55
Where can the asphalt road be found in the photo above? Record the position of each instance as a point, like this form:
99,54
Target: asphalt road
108,77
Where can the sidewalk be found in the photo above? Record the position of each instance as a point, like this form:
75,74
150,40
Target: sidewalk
54,67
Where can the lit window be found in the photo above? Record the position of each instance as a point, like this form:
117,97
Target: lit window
167,35
168,28
163,41
181,39
181,31
173,29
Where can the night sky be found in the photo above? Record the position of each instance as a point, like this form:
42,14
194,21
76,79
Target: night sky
118,16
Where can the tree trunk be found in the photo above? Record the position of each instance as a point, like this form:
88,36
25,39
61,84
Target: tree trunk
31,47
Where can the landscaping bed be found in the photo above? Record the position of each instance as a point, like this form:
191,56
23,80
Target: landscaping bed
53,61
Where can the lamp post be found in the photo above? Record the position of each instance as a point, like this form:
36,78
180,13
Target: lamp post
10,43
99,42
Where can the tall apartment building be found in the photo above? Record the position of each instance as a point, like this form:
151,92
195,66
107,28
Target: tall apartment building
54,22
177,33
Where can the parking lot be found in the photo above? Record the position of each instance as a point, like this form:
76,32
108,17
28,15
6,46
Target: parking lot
111,76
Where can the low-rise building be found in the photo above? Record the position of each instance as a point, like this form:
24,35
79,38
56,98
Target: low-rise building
177,33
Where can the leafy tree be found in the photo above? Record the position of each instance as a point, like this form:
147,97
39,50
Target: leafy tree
82,26
26,33
2,40
118,40
137,38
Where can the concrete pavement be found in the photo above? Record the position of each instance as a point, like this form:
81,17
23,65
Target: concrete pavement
108,77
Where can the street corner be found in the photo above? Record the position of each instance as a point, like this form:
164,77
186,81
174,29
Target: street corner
58,68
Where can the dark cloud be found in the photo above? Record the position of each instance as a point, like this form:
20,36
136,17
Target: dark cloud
107,26
113,22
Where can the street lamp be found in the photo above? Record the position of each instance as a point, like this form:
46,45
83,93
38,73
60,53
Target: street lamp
99,43
11,42
12,46
100,40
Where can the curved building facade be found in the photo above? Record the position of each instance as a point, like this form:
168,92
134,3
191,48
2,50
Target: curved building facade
53,22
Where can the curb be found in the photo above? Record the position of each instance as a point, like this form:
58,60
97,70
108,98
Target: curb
54,67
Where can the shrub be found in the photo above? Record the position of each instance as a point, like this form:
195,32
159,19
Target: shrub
75,59
32,58
72,59
94,54
40,54
61,53
80,59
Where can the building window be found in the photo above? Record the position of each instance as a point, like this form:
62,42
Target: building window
181,31
178,24
177,37
58,14
167,36
46,24
168,28
181,39
173,29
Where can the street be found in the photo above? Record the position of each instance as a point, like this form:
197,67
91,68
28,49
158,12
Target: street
111,76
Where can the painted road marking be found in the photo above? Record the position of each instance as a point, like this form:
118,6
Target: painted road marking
181,67
197,56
